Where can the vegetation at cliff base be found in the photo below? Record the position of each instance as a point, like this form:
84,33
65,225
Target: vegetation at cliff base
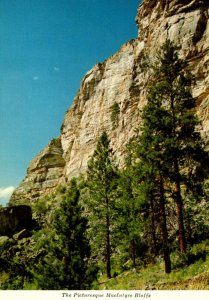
56,256
66,259
143,226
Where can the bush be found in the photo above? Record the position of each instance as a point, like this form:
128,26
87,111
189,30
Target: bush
115,114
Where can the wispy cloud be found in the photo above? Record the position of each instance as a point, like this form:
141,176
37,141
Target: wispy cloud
56,69
35,78
6,192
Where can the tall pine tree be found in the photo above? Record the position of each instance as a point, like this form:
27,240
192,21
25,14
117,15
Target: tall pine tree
184,148
171,146
154,167
101,182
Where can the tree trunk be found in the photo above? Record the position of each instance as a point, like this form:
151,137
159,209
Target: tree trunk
153,233
133,252
108,265
179,205
166,252
178,198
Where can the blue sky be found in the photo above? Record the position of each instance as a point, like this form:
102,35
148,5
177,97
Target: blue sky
47,46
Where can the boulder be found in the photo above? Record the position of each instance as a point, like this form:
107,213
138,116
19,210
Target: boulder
14,219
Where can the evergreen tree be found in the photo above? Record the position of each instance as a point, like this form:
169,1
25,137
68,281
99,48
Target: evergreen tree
144,185
128,215
101,182
133,208
184,148
170,147
154,168
66,263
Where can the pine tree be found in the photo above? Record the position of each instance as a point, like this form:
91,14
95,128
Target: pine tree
128,214
171,148
101,182
155,167
134,208
66,263
184,148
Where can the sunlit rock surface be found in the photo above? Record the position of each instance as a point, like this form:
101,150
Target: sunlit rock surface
44,174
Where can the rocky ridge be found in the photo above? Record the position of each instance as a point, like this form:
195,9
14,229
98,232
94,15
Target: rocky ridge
120,79
44,173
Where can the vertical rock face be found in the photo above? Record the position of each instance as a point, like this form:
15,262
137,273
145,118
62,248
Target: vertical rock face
186,22
120,79
106,83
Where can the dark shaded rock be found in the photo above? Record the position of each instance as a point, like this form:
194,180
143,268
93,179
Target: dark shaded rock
15,218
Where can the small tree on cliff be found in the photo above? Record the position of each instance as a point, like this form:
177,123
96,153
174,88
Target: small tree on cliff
101,183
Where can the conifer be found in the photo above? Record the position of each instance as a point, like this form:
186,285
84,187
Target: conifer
66,263
101,182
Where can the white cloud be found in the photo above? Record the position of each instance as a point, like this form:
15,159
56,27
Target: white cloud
35,78
56,69
5,193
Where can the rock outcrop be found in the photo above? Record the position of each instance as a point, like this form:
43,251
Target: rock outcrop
15,218
121,79
44,174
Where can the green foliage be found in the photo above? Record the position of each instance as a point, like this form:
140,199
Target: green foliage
130,218
199,251
40,209
152,277
196,218
115,111
168,147
66,261
100,196
55,257
196,253
16,261
4,254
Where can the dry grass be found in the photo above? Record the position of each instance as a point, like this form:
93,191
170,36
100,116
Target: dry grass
192,277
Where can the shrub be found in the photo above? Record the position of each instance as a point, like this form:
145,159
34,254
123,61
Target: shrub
115,115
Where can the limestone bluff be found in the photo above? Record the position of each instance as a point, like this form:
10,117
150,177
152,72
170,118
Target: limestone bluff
120,79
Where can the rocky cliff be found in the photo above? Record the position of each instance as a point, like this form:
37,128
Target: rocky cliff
186,22
44,174
121,80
